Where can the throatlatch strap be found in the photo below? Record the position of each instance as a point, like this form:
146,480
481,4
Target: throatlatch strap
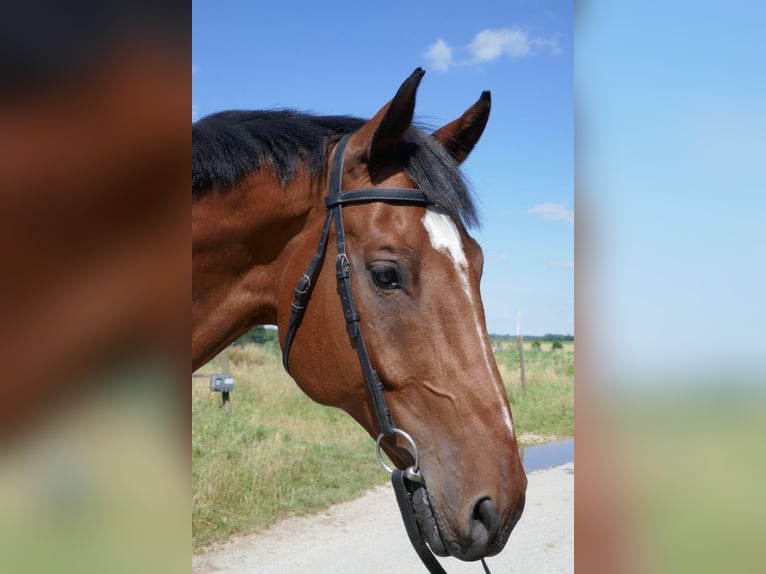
303,291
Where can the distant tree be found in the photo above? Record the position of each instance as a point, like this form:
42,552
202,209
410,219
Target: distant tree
563,338
536,345
556,345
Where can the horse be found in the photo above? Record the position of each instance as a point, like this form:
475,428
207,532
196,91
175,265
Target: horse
406,341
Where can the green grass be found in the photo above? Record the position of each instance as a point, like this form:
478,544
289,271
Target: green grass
546,407
273,454
693,480
276,453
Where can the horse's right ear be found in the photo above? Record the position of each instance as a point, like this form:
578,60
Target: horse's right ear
376,139
459,137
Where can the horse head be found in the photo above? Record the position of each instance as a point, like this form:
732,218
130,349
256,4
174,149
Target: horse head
415,273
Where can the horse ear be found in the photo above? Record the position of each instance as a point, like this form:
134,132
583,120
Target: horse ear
378,137
459,137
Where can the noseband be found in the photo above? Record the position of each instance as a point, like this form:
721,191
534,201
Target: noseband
405,482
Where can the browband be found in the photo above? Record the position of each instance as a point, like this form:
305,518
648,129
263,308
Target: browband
388,194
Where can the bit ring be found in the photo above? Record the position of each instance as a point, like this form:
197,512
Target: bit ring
415,468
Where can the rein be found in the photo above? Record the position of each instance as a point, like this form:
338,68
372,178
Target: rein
405,482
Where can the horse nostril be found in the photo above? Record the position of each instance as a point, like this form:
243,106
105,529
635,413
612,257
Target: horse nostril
485,522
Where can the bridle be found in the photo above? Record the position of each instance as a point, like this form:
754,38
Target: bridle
405,482
335,201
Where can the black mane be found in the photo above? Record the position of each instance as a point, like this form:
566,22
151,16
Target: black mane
228,145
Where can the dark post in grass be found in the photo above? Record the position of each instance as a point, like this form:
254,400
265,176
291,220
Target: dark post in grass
225,368
223,383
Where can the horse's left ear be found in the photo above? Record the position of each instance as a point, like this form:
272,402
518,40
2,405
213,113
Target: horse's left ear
459,137
379,136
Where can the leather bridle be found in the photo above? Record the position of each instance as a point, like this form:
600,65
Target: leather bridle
335,201
405,482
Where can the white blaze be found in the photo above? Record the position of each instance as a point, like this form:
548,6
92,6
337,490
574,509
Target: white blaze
445,238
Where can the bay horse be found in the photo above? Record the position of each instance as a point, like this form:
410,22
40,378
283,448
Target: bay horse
406,341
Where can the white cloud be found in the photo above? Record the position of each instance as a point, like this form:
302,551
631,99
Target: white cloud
551,43
490,44
440,55
554,212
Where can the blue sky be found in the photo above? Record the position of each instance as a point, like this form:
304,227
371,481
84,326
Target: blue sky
671,159
351,58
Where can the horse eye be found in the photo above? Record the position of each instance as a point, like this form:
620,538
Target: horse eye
385,276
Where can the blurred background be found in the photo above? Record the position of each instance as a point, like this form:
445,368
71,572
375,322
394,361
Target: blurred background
94,297
670,242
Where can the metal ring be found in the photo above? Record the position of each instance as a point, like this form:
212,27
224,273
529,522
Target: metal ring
415,468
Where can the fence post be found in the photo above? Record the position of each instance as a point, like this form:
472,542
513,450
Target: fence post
520,341
225,368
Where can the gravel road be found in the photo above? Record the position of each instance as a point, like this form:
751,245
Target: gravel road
366,535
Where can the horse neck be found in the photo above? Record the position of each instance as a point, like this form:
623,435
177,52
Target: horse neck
242,242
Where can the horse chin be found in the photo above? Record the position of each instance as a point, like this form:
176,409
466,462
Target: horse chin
427,524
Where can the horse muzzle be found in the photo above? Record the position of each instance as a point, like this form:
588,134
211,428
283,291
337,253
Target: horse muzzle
482,535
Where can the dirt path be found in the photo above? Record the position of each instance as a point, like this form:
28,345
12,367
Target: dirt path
366,535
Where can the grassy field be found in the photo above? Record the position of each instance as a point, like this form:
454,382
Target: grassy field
275,453
691,469
546,407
